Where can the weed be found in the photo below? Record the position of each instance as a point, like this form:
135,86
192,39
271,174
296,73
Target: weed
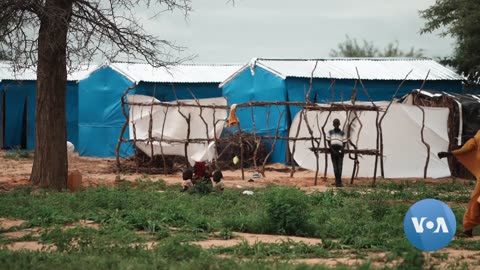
287,211
18,154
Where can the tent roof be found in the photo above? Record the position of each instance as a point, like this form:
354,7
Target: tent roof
201,73
8,72
346,68
462,98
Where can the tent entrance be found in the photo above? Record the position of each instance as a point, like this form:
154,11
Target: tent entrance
14,120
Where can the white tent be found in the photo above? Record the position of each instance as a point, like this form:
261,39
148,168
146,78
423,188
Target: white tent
404,152
176,126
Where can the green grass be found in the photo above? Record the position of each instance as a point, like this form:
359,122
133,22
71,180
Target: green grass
17,154
358,221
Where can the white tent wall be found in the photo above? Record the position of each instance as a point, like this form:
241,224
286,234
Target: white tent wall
404,152
176,126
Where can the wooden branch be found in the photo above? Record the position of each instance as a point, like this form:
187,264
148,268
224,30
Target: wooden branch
125,125
241,151
295,143
312,140
307,105
274,142
383,116
165,171
187,141
367,152
423,128
268,132
257,143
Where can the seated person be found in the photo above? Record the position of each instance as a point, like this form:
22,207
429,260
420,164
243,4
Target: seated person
217,176
187,179
200,171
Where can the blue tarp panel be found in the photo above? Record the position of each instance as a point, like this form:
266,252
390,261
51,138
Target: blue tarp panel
164,91
263,86
15,121
377,89
100,118
72,113
20,100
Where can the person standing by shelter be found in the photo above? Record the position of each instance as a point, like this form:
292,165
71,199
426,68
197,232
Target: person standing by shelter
469,156
336,142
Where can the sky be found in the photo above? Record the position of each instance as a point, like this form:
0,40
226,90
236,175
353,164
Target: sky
217,31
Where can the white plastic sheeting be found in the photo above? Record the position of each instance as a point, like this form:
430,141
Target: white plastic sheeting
404,152
176,127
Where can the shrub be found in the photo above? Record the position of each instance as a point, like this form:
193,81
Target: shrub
287,211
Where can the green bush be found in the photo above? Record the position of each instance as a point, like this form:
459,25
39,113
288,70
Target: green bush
287,211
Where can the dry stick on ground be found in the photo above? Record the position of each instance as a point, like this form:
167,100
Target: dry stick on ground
423,128
376,123
295,143
124,127
381,121
274,141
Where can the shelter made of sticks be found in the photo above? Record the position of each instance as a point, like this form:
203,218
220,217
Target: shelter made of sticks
101,116
324,81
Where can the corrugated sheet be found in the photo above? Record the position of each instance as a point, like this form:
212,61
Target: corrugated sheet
8,72
177,73
368,68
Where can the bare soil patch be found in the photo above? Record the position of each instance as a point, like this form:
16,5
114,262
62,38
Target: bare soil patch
30,245
7,224
253,238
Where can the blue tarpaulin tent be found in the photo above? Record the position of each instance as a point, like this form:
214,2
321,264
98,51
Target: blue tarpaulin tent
17,107
325,80
100,110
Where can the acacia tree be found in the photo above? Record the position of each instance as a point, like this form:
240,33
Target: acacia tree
461,20
50,35
352,48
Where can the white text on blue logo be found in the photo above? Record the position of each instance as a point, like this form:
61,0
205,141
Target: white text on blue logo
441,225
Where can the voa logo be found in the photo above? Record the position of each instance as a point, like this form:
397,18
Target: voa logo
429,225
441,226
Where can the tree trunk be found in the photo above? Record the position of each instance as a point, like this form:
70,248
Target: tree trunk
50,164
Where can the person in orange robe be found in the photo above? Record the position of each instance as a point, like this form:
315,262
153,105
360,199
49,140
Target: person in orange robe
469,156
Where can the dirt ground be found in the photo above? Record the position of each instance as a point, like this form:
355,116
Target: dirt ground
96,171
103,171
